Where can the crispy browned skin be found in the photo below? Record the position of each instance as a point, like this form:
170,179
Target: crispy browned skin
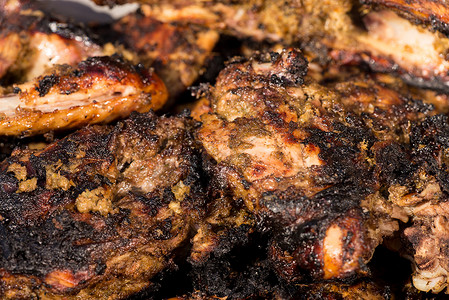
98,90
290,151
432,12
274,138
386,104
98,213
176,52
393,44
31,43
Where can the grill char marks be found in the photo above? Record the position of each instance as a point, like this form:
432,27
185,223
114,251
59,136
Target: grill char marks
98,90
83,217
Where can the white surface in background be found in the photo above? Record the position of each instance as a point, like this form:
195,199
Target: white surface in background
86,10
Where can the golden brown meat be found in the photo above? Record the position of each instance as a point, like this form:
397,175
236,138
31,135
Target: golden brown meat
385,104
256,19
97,214
31,44
98,90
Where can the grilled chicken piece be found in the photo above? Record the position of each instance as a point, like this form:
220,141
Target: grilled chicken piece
30,44
176,52
98,213
296,158
433,13
98,90
258,19
349,33
241,126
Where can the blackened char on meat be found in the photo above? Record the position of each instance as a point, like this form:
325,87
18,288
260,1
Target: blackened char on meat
98,213
433,12
289,150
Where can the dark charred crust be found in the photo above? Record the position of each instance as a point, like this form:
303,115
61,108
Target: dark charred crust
50,245
67,80
61,214
429,141
432,132
393,163
435,83
317,206
46,83
163,230
176,51
111,67
239,272
341,151
288,69
48,25
383,64
69,31
439,25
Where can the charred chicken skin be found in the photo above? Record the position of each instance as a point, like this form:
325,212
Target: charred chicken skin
31,44
97,90
98,213
289,150
421,190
